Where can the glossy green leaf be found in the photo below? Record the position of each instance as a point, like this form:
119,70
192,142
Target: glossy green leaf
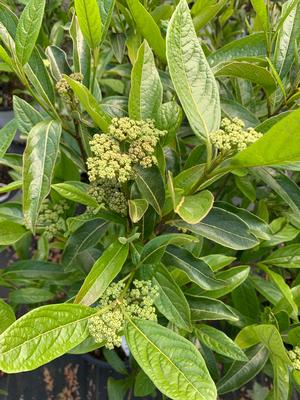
155,248
26,116
10,232
145,95
90,104
195,269
171,301
286,257
261,14
206,13
137,209
148,28
33,269
39,161
222,227
102,273
169,118
30,296
248,71
192,209
85,237
249,46
28,29
7,316
7,134
87,346
75,191
42,335
280,145
219,342
89,20
162,354
151,186
204,308
196,87
241,373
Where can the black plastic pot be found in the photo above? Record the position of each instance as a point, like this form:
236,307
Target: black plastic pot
69,377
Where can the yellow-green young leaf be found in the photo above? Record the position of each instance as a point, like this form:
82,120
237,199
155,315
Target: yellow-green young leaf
42,335
38,164
7,316
7,134
171,301
261,14
219,342
193,209
148,28
173,363
105,269
5,57
137,209
280,145
145,95
191,75
89,20
28,29
10,232
11,186
90,104
75,191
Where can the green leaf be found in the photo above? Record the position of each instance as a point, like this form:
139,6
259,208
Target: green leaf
151,186
30,296
206,13
39,161
105,269
196,270
32,269
7,316
85,237
280,145
26,116
90,104
145,95
58,62
42,335
28,29
148,28
155,248
222,227
286,257
106,11
75,191
169,118
143,386
219,342
87,346
192,209
241,373
10,232
204,308
161,353
89,20
248,71
137,209
115,361
196,87
171,301
5,57
249,46
261,14
7,134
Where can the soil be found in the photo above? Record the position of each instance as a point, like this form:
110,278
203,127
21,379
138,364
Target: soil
7,90
4,174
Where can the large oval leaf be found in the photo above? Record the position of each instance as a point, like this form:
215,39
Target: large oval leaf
191,75
42,335
102,273
38,163
194,208
172,362
7,316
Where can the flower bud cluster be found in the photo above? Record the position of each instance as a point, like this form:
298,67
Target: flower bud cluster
126,144
64,89
52,218
137,303
108,193
295,357
232,136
